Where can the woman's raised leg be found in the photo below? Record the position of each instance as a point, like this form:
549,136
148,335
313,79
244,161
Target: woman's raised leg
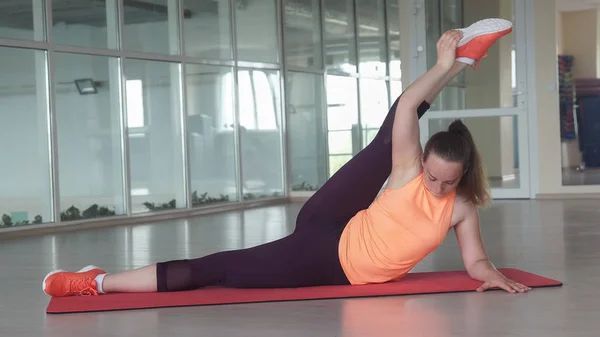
354,186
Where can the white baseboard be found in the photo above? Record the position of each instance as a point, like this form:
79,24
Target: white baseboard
301,196
135,219
567,196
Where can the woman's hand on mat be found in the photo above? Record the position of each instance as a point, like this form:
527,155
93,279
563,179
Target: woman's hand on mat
497,280
446,48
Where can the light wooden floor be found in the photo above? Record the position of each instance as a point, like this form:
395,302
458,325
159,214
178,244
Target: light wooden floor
558,239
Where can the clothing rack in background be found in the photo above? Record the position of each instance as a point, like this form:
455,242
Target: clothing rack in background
587,115
580,113
568,104
568,129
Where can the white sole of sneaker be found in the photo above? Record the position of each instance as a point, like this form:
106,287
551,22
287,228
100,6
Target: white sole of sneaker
483,27
466,60
82,270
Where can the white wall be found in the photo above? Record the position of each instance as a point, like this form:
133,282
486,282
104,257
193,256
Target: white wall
559,33
582,25
547,98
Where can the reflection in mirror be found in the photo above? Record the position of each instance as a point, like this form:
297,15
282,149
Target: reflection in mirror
256,30
338,32
370,16
302,28
23,20
393,21
89,152
25,196
213,19
579,98
342,121
153,129
307,133
211,134
260,133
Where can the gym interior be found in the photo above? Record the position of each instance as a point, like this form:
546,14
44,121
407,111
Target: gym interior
216,141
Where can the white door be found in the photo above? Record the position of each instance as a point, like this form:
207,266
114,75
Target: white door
491,100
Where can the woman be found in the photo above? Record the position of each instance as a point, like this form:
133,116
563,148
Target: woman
346,233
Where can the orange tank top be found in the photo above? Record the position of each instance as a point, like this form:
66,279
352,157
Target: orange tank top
401,227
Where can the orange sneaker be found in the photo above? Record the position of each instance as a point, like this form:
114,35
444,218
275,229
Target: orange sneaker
479,37
60,283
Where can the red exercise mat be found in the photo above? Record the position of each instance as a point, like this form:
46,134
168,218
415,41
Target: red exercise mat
413,283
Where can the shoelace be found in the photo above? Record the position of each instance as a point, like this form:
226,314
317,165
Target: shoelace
84,287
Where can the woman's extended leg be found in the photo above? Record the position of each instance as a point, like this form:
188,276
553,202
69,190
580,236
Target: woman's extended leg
298,260
137,280
354,186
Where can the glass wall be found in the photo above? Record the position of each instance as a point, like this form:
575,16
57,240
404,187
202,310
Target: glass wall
213,19
257,32
342,120
128,107
23,20
84,24
340,81
88,127
211,133
260,133
154,122
302,20
25,177
307,134
156,30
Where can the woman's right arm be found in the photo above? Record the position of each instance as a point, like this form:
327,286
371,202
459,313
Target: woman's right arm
406,144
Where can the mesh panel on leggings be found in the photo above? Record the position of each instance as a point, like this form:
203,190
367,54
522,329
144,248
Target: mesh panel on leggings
174,276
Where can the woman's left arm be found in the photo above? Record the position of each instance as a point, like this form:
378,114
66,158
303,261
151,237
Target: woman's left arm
475,258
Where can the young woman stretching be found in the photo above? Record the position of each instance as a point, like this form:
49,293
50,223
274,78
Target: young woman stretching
346,233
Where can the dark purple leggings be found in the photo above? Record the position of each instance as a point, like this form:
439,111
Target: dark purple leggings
308,256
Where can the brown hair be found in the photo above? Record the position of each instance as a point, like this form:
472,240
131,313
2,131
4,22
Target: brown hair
457,145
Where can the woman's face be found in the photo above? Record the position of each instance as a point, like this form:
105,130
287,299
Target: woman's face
440,176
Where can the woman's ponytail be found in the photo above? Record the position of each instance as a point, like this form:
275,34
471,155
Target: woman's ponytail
457,145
